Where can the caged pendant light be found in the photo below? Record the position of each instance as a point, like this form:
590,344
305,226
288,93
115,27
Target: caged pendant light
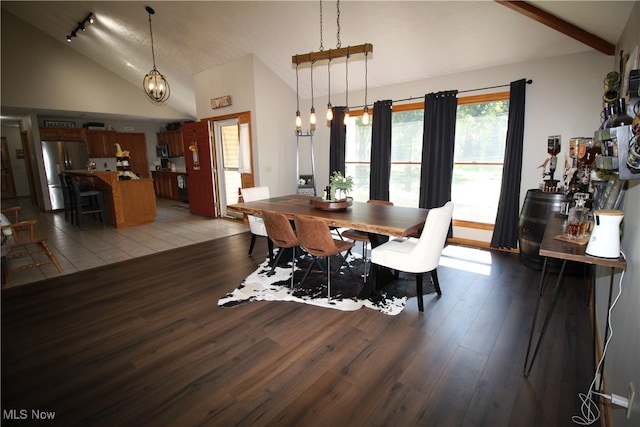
155,85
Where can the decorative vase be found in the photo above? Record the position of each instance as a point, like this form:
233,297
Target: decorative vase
340,194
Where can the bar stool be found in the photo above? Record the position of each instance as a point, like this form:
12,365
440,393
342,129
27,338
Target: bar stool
66,196
86,202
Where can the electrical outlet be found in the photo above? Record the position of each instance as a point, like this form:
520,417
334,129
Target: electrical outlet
631,395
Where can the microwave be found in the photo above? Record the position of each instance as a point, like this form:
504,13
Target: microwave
162,151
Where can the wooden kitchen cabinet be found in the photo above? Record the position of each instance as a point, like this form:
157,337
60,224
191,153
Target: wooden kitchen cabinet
173,139
166,184
100,143
61,134
136,144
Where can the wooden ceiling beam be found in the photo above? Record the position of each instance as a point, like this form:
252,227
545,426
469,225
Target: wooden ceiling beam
560,25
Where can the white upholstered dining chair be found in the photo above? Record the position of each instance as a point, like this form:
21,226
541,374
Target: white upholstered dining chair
256,223
421,255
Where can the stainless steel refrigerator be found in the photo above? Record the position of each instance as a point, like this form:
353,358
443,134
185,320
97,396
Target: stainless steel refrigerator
59,156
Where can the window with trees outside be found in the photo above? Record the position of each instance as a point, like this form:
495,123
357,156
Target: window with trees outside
481,128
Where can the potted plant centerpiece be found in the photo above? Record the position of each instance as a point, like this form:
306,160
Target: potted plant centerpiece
340,185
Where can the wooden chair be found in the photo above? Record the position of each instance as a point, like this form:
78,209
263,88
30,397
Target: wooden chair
315,237
360,236
418,255
21,236
282,235
256,223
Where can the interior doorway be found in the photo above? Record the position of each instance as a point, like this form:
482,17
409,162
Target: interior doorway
227,137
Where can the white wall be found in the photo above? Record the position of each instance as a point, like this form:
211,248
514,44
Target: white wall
255,88
623,356
71,82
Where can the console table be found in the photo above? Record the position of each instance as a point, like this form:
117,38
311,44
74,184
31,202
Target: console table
565,251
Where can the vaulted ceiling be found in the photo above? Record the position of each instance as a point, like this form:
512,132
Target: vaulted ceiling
411,40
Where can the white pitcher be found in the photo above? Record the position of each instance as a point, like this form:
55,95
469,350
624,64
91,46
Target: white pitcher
605,238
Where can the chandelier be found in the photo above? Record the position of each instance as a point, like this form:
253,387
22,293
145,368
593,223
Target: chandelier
155,85
329,55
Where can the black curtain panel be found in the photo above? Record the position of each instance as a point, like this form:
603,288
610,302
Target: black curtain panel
438,140
505,233
380,170
337,141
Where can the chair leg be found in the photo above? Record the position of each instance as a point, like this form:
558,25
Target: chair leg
306,273
328,278
253,242
273,265
364,259
52,257
293,265
419,292
436,283
270,246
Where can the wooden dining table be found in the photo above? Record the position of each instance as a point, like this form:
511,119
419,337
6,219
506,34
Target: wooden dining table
378,221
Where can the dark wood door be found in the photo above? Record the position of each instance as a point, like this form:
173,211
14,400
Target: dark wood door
6,182
200,177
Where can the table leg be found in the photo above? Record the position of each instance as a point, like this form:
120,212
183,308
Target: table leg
378,275
527,370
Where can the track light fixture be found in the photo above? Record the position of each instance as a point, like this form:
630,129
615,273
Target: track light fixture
155,85
80,27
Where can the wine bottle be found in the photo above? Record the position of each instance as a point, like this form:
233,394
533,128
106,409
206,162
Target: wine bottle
621,118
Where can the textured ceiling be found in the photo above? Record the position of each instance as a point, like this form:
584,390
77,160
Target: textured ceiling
412,40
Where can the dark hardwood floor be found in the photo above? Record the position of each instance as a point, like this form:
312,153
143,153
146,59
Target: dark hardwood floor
143,343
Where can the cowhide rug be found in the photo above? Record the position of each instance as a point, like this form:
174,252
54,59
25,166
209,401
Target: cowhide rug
345,286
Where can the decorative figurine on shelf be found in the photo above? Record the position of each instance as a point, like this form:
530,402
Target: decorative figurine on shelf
340,186
571,166
587,151
553,148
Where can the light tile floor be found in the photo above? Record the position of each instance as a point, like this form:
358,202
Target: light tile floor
95,246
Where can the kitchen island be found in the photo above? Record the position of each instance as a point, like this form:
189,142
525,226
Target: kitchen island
127,202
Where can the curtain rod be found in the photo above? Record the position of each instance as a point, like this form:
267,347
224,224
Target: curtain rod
461,91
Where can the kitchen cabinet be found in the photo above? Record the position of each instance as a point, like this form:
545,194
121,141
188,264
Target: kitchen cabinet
61,134
173,139
100,143
166,184
136,144
127,203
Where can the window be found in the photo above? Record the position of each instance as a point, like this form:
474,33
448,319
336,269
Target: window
481,131
481,126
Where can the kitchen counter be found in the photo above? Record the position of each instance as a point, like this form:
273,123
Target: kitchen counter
130,202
